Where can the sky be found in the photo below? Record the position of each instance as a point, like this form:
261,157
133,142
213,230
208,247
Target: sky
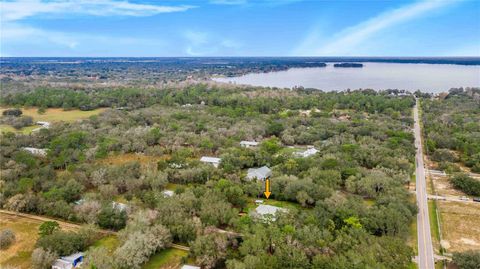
112,28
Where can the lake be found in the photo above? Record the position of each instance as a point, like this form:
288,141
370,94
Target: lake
378,76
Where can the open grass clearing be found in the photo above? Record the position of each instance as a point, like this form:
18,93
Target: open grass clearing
26,232
166,259
120,159
58,114
460,225
432,212
50,115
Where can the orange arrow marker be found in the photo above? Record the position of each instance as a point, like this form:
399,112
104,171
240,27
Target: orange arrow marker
267,188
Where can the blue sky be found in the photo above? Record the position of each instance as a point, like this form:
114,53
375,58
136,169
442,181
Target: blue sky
240,28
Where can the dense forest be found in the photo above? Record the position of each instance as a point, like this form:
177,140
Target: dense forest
348,205
452,130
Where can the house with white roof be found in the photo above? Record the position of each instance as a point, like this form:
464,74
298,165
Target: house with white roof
68,262
43,124
36,151
211,160
264,212
248,144
307,153
259,173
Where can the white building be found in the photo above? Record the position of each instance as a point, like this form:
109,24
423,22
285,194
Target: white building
68,262
211,160
248,144
186,266
35,151
259,173
264,212
168,193
119,206
43,124
307,153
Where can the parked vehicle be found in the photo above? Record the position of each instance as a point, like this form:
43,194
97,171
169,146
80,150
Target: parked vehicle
464,198
476,199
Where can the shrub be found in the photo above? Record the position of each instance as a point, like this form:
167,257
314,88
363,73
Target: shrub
466,184
467,260
43,259
7,237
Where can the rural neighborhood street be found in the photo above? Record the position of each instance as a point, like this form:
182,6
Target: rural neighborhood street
425,248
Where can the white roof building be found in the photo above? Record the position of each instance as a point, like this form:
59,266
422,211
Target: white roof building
186,266
211,160
168,193
68,262
248,144
44,124
307,153
35,151
119,206
267,211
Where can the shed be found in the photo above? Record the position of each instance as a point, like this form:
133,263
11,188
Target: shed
248,144
211,160
119,206
186,266
307,153
68,262
259,173
168,193
36,151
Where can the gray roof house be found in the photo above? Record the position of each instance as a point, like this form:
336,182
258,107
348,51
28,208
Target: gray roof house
211,160
262,212
259,173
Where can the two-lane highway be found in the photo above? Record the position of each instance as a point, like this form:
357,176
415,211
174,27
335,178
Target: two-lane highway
425,247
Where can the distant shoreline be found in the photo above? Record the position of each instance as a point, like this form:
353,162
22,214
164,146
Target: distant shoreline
233,60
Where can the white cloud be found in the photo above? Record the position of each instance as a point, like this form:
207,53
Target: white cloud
21,9
347,41
200,43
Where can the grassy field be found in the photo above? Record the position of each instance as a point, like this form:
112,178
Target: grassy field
50,115
166,259
26,232
460,227
109,242
434,224
130,157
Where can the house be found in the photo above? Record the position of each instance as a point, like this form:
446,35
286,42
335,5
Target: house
248,144
168,193
186,266
211,160
258,201
259,173
307,153
35,151
68,262
119,206
266,211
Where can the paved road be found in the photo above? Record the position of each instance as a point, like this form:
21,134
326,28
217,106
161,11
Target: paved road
452,198
425,247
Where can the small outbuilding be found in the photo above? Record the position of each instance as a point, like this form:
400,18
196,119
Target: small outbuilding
168,193
307,153
259,173
119,206
263,212
186,266
68,262
36,151
211,160
248,144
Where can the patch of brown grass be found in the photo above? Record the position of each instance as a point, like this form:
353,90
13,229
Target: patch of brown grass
26,233
130,157
460,225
